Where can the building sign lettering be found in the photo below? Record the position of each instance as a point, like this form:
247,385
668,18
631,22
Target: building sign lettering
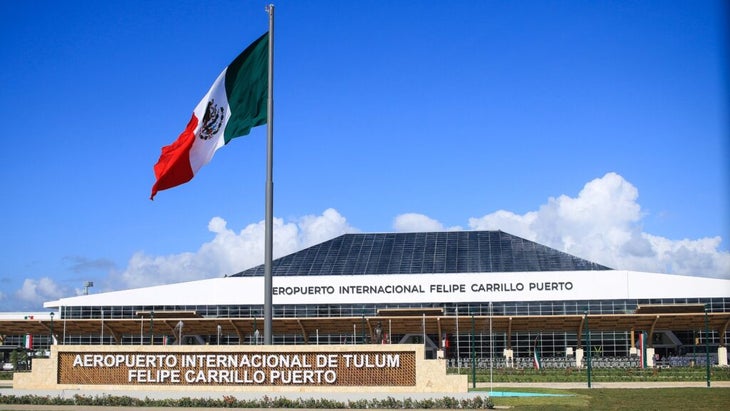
436,288
306,368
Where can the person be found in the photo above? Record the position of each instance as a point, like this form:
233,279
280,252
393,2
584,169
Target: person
379,333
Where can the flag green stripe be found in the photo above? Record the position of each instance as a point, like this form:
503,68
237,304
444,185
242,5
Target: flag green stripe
247,89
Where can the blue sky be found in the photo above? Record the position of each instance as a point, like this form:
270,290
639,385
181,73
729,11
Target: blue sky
599,128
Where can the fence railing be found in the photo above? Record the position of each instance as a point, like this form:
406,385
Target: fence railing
569,362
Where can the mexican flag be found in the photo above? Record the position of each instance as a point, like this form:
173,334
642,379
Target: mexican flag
536,356
234,104
536,359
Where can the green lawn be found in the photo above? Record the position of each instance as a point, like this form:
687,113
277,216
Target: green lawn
620,399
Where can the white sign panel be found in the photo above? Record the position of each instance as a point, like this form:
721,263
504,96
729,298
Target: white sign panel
440,288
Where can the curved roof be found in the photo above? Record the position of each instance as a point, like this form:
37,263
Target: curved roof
419,253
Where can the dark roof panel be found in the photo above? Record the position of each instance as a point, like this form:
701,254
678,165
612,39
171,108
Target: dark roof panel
418,253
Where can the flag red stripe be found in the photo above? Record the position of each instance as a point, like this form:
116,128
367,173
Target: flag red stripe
173,168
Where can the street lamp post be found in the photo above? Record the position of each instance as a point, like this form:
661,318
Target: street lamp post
491,351
588,347
423,331
88,285
473,353
102,326
51,343
363,324
707,347
458,348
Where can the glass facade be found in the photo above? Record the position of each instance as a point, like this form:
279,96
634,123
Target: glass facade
486,344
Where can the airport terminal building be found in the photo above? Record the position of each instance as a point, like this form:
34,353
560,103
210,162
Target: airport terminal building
489,293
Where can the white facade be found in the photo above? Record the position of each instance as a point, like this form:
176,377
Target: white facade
415,288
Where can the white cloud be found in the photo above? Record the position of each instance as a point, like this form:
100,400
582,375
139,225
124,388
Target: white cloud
230,252
691,256
411,222
316,229
506,221
603,224
34,292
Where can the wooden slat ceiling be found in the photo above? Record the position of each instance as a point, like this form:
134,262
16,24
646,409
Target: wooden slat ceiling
674,308
167,314
406,324
410,311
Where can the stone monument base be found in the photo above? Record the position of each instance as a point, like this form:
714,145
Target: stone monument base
398,368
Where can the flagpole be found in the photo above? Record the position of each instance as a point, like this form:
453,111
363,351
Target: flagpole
269,219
